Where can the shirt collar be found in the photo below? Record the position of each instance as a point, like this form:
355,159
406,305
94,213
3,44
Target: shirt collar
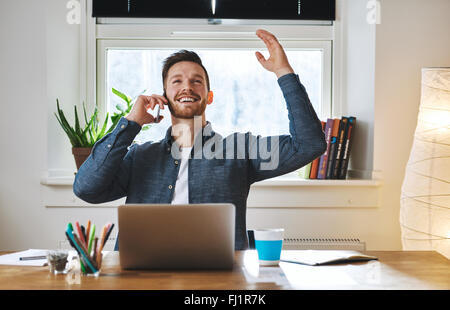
168,140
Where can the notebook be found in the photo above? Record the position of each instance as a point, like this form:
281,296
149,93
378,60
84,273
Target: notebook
323,257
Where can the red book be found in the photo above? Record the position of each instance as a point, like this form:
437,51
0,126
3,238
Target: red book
315,163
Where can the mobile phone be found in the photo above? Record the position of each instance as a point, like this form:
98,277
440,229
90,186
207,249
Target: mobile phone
158,111
157,115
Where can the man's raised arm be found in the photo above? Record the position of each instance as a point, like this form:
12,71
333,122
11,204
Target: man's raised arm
306,140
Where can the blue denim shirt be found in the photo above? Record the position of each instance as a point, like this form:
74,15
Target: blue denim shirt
147,173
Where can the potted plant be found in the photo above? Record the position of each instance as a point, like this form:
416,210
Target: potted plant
84,138
124,110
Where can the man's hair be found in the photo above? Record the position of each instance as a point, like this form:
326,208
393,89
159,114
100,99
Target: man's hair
182,55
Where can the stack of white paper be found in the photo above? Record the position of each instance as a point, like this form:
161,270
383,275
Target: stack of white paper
14,258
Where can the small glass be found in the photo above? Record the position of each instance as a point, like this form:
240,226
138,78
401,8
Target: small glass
86,271
57,261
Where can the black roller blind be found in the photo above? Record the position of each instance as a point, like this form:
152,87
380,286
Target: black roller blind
226,9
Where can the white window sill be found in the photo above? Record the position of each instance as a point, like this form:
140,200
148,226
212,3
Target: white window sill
58,179
295,193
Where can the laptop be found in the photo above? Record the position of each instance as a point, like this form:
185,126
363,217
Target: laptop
166,236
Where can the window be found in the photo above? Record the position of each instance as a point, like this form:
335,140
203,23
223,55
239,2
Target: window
100,38
246,96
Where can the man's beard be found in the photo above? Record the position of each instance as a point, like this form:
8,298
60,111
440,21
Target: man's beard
189,111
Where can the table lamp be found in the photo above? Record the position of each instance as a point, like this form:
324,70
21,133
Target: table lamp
425,196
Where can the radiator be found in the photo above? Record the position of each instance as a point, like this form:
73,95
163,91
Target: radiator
324,244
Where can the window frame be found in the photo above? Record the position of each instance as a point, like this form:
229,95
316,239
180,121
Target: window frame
95,32
191,43
298,193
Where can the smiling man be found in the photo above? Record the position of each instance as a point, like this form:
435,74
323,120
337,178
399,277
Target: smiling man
187,165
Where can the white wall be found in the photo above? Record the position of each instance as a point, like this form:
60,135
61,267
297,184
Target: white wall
23,122
63,79
39,61
413,34
358,82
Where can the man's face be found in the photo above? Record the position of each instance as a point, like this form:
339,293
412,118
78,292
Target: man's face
186,89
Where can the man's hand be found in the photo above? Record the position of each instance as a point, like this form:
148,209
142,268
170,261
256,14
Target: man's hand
277,62
139,113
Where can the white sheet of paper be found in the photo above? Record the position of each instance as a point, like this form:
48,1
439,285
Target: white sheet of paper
13,258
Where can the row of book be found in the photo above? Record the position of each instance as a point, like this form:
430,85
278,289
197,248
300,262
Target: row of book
333,164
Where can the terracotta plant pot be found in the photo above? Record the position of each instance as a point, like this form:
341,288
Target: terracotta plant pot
81,154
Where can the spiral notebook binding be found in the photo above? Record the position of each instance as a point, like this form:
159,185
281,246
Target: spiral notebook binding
298,243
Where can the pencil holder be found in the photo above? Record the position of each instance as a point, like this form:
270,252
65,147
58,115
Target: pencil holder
86,270
88,246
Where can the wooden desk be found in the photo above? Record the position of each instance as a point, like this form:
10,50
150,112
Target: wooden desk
393,270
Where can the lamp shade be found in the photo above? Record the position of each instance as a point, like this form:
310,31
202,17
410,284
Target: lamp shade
425,196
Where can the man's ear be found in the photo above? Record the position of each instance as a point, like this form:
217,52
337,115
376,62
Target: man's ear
210,97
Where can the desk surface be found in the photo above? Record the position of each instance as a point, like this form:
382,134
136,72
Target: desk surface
393,270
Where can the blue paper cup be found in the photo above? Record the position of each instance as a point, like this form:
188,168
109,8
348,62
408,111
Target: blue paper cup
268,244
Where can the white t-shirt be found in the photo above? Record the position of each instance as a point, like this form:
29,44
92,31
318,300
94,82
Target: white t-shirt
181,193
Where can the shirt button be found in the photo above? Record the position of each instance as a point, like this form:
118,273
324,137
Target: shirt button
109,145
170,186
176,162
123,126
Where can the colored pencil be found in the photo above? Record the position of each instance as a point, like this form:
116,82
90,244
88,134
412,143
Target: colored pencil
83,269
77,245
100,245
83,231
80,233
94,257
110,228
91,238
88,231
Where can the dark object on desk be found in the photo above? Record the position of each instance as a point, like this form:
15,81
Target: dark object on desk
32,257
251,239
